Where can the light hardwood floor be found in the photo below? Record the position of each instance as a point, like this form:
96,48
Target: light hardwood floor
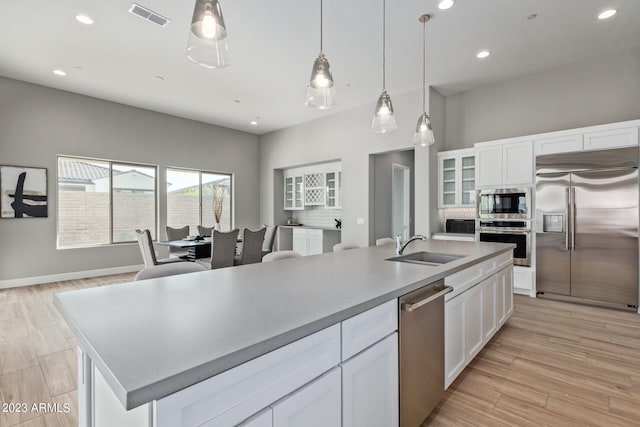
553,363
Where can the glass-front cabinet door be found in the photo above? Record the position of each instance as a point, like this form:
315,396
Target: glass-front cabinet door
457,178
468,180
288,192
332,181
298,192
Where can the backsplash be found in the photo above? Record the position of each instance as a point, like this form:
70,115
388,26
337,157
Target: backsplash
317,216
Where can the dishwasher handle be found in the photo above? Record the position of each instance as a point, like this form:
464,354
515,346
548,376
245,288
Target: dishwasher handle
411,307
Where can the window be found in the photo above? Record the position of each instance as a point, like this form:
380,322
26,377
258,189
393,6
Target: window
102,202
195,197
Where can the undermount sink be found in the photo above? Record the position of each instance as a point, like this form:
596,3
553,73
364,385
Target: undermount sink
426,258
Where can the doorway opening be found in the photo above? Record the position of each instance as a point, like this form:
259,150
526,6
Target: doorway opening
391,201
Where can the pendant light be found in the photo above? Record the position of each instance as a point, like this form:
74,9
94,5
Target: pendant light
207,44
321,92
383,118
424,133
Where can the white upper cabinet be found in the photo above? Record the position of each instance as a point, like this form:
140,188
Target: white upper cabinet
317,185
456,178
333,189
293,191
601,137
504,164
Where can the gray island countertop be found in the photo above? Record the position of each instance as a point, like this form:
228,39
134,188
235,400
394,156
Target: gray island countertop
154,337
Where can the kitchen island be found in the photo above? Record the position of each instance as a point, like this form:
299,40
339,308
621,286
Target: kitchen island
165,340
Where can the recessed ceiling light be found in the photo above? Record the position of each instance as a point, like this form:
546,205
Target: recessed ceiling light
84,19
607,13
59,73
483,54
254,123
446,4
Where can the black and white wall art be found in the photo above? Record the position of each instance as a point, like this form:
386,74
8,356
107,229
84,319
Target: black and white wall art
23,192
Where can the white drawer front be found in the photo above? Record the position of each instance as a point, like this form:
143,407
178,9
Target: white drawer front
615,138
232,396
263,419
365,329
463,280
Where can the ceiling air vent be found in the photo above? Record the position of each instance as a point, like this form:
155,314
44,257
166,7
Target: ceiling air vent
148,15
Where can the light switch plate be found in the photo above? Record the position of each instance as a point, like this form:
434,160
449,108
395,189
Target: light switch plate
359,221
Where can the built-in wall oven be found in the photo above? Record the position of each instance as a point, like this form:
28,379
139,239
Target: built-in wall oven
508,231
504,203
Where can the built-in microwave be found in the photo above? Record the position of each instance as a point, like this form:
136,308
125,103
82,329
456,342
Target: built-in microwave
504,203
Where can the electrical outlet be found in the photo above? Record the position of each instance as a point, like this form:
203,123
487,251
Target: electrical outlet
359,221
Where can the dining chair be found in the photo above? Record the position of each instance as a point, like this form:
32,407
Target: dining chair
177,234
344,246
223,248
274,256
269,239
205,231
384,241
148,252
251,247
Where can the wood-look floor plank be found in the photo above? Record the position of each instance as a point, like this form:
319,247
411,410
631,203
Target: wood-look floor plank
49,340
60,372
25,386
587,415
16,355
70,417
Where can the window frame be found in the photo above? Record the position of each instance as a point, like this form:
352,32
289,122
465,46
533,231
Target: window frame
156,204
200,172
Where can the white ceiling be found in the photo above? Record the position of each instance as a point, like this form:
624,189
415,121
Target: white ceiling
273,45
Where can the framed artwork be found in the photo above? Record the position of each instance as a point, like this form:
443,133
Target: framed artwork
23,192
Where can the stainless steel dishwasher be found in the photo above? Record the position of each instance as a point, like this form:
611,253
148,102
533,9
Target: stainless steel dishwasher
421,352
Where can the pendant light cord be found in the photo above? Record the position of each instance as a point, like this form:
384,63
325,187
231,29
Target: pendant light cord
424,64
320,25
384,42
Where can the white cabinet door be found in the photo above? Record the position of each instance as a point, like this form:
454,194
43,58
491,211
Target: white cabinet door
288,193
263,419
298,192
489,165
447,180
517,163
370,386
454,331
473,321
314,242
558,144
489,322
467,179
500,295
615,138
317,404
300,241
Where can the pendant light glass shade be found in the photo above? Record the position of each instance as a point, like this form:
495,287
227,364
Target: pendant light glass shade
424,133
383,119
207,44
320,91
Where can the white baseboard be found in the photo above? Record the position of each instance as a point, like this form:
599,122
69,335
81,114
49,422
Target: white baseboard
36,280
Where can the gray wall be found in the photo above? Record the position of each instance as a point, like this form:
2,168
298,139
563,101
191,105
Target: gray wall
347,136
382,205
598,91
37,123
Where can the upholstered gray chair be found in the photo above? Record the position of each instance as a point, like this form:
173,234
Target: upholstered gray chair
171,269
148,252
251,247
205,231
269,239
177,234
274,256
384,241
344,246
223,249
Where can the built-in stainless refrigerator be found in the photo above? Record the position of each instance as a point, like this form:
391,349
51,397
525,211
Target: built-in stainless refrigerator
587,226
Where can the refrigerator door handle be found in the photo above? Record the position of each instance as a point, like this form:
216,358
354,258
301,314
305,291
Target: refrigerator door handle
567,222
573,218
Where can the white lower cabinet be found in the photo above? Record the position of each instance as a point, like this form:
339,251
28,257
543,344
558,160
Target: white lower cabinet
370,386
318,404
472,317
307,241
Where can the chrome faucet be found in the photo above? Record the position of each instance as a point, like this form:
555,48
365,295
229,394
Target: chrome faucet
400,245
